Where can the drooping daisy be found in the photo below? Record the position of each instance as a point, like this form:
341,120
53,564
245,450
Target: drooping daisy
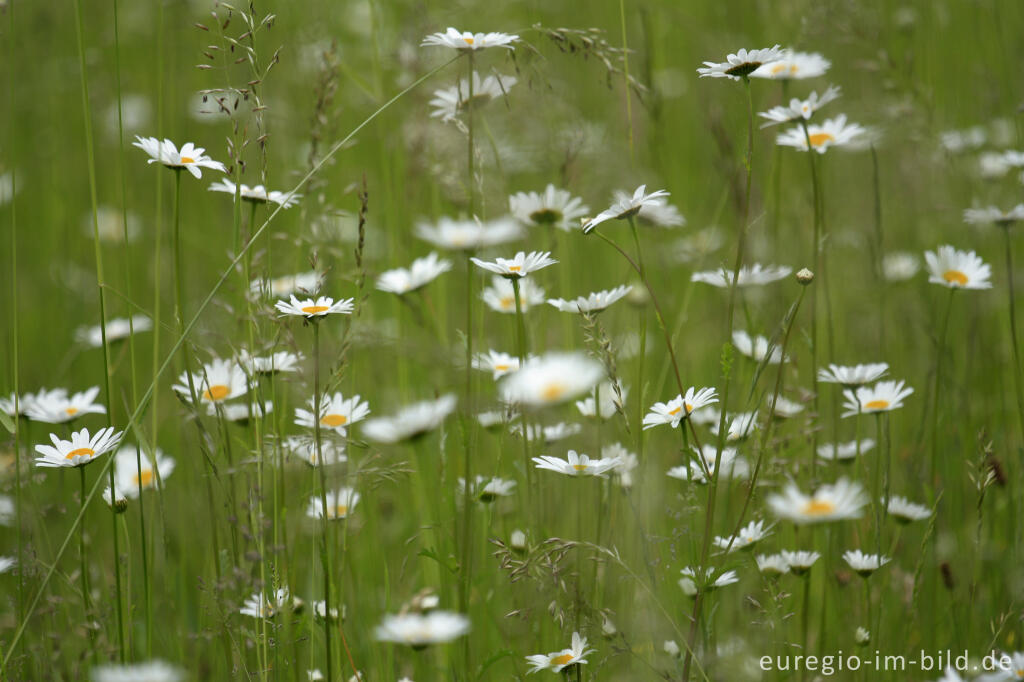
592,303
220,380
56,407
772,564
488,488
577,465
611,401
240,413
410,421
757,347
882,397
303,282
500,296
469,235
257,194
117,329
276,362
336,412
554,207
149,671
261,606
834,132
520,265
499,364
315,308
420,630
708,580
448,103
994,215
899,266
864,564
190,157
340,504
793,66
679,408
905,511
132,475
625,207
851,376
304,447
798,109
551,379
831,502
746,538
957,269
80,450
656,212
467,40
741,64
557,661
422,271
800,561
752,275
844,452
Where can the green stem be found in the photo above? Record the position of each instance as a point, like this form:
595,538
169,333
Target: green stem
816,255
325,525
1013,331
938,387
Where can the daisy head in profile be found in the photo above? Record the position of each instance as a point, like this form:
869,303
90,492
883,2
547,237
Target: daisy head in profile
496,362
57,407
551,379
882,397
852,376
340,504
864,564
745,539
520,265
218,381
551,208
679,408
956,269
800,561
793,66
412,421
904,511
315,308
562,661
834,132
625,207
256,195
135,471
82,449
594,302
577,465
994,215
420,630
116,329
189,157
423,271
798,109
749,276
305,448
756,347
500,296
467,40
740,64
449,103
694,580
831,502
469,235
336,412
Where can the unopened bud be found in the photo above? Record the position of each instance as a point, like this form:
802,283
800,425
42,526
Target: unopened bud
804,276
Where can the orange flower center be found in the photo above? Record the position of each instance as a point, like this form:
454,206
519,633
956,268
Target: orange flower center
819,139
552,392
579,467
340,511
314,309
187,159
71,411
515,268
561,660
334,420
469,41
502,368
819,507
507,302
80,452
955,277
876,405
675,411
217,392
145,480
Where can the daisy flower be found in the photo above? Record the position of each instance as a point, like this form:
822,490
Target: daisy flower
730,466
499,364
149,671
132,475
80,450
800,561
741,425
422,271
689,585
304,447
882,397
992,214
679,408
746,538
844,452
467,40
577,465
340,504
15,406
799,109
784,408
834,132
551,379
190,157
55,407
592,303
558,661
448,103
851,376
304,282
7,563
772,564
757,347
240,413
420,630
610,401
549,434
752,275
500,296
905,511
336,412
553,207
220,380
117,329
957,269
691,472
830,502
865,564
520,265
741,64
899,266
315,308
628,461
469,235
656,212
261,606
410,421
488,489
276,362
625,207
956,141
793,66
257,194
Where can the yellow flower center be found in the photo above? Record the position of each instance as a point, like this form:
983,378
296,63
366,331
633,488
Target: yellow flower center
818,507
561,660
217,392
314,309
515,268
675,411
145,480
340,511
778,68
187,159
71,411
955,277
819,139
80,452
502,368
876,405
469,41
579,467
507,302
334,420
552,391
689,407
